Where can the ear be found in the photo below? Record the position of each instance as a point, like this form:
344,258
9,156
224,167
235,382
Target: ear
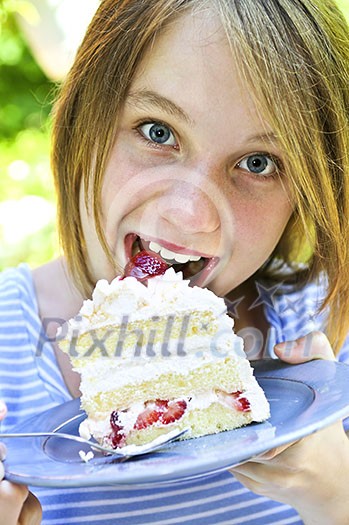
314,345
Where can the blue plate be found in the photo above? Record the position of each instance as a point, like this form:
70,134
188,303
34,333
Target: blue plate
303,398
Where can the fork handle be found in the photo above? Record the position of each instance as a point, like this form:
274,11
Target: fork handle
33,434
59,435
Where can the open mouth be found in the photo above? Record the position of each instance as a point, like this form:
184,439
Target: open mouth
194,267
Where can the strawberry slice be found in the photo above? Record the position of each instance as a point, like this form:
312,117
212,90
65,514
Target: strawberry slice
235,400
174,411
144,265
161,404
160,410
148,417
241,402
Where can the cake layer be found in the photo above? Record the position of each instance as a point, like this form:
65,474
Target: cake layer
200,422
111,387
208,413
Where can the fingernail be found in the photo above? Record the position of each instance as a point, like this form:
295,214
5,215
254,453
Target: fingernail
287,347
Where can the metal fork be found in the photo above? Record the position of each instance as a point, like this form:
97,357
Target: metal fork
124,452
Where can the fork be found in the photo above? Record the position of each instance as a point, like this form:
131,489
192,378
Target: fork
124,452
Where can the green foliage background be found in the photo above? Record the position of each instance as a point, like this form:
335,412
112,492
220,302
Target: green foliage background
26,97
26,189
344,5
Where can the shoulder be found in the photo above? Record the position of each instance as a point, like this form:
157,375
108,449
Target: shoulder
18,305
293,313
55,291
343,355
16,286
303,303
301,310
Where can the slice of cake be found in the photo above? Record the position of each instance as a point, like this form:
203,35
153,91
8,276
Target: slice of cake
158,357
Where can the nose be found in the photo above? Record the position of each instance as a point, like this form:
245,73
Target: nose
190,208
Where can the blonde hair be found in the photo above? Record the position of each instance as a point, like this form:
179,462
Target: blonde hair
295,56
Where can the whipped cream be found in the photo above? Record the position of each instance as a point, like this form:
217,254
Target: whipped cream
128,299
136,371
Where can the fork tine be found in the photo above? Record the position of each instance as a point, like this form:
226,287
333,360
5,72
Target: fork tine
161,441
127,451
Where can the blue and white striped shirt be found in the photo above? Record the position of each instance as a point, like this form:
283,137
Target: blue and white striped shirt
31,382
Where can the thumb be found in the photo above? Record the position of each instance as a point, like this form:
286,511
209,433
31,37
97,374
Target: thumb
314,345
3,410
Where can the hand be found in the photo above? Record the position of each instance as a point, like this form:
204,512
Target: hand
18,505
311,474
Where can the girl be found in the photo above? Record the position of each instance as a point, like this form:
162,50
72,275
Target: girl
218,129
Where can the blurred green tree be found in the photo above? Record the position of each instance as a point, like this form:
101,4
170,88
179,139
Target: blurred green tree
25,91
344,6
27,209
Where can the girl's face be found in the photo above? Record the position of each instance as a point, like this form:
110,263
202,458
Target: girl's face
195,173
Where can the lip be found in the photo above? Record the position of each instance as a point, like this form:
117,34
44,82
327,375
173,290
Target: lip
175,247
129,240
203,277
131,237
199,279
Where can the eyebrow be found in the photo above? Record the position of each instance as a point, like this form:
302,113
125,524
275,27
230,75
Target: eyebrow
264,137
145,98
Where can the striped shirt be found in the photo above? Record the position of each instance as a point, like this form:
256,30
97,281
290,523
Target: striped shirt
31,382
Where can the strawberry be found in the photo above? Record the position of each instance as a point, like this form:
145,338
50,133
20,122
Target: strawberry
148,417
117,435
241,402
174,411
144,265
235,400
162,404
160,410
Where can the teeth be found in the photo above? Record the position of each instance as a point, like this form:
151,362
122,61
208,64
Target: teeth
154,247
181,258
167,254
172,256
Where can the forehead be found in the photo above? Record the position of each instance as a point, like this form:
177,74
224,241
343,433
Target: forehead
191,63
195,38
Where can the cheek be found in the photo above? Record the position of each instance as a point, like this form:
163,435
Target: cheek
258,229
130,191
123,188
96,257
262,221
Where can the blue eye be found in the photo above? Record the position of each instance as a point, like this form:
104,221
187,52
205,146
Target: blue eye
158,133
260,164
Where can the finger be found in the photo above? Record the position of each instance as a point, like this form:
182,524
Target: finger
31,513
251,473
3,451
272,473
3,410
314,345
12,497
247,482
271,454
2,457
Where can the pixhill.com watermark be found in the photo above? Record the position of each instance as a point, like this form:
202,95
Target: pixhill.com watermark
130,340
